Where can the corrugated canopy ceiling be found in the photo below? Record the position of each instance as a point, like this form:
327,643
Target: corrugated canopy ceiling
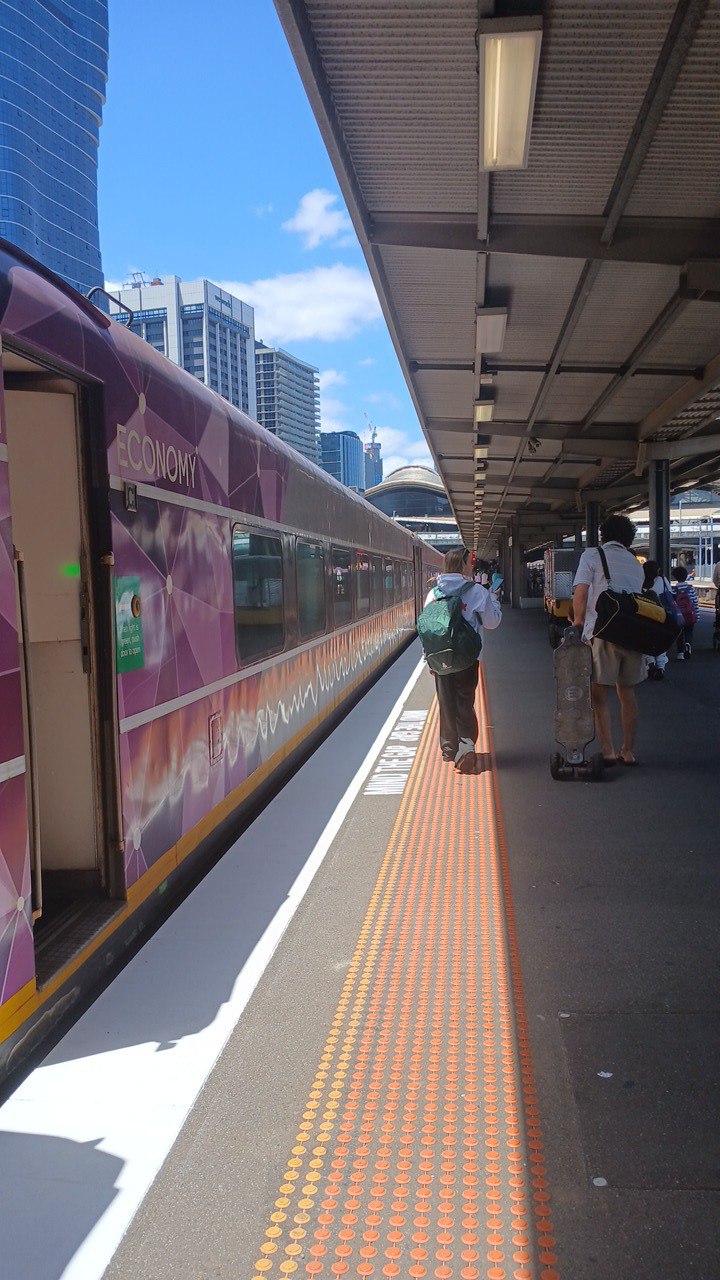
611,356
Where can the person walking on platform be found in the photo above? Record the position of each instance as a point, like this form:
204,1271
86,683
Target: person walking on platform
456,692
612,666
656,582
687,602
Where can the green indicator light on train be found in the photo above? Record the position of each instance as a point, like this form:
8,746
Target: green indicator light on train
70,571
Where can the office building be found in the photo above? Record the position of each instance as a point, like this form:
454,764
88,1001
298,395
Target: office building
202,328
53,69
373,464
343,458
288,399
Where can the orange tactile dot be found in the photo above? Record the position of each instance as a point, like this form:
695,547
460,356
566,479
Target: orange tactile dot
419,1142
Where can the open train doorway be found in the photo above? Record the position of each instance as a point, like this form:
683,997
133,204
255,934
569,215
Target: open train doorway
54,600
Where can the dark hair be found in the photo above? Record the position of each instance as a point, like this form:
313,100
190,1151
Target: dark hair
618,529
651,569
681,573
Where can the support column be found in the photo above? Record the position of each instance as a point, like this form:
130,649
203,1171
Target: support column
517,571
504,563
660,513
592,524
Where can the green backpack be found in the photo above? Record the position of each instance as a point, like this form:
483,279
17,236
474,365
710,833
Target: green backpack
449,641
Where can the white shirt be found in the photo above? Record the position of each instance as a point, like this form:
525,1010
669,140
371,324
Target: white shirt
480,607
626,574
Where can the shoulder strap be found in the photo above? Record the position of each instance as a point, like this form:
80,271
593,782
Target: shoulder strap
604,562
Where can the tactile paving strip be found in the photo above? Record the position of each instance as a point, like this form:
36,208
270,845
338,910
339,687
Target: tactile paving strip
419,1150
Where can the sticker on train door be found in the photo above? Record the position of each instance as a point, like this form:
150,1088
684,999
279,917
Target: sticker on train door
130,650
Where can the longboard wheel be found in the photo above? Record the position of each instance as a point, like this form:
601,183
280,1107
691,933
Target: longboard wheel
596,767
556,766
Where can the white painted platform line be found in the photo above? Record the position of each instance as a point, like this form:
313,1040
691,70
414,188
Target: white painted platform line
123,1080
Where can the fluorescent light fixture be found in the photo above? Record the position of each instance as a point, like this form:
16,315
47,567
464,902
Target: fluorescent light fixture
509,51
484,410
480,452
490,325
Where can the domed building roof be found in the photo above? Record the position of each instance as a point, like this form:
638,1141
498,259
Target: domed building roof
418,477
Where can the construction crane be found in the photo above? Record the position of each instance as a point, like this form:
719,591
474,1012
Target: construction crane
373,430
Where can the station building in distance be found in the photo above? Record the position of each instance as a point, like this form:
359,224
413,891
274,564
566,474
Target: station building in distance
416,498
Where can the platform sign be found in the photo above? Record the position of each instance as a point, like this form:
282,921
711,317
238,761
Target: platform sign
130,650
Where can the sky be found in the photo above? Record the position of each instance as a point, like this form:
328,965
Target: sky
211,165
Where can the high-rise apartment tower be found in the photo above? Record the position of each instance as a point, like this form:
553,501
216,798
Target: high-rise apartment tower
288,399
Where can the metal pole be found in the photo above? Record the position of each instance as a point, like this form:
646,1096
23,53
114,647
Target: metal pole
518,567
592,523
660,514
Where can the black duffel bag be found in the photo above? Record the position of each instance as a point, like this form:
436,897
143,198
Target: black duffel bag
633,620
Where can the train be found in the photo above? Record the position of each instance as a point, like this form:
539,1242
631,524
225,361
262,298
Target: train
186,605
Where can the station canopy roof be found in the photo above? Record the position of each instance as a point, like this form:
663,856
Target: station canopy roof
410,477
576,300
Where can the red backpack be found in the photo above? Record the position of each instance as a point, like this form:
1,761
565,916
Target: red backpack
684,602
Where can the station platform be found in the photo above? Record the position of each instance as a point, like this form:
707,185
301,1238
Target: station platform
414,1023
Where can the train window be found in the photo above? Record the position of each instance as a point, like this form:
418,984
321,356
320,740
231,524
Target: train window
376,584
258,594
388,582
404,579
311,588
342,602
362,583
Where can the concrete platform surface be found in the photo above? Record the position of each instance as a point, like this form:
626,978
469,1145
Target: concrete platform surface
156,1137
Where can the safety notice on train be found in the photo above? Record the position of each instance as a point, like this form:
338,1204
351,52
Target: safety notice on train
130,649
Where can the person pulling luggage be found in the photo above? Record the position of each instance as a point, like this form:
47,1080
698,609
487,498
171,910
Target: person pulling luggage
449,628
613,666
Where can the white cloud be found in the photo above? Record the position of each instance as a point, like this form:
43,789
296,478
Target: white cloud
333,414
331,378
397,460
366,362
327,304
262,210
317,221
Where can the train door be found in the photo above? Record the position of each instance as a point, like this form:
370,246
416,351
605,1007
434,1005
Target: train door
50,534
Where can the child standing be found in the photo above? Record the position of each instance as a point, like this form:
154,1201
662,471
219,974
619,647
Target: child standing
687,602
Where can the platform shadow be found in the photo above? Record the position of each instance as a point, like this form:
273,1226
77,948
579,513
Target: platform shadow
177,983
52,1193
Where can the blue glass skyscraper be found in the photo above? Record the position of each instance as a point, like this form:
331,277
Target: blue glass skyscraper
53,72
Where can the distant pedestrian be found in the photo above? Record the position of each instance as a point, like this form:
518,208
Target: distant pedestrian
687,602
656,581
456,692
716,576
612,666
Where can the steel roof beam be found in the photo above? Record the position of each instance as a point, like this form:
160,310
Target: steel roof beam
681,33
495,367
679,400
663,241
669,314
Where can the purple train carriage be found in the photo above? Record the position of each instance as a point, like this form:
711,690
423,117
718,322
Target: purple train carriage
185,604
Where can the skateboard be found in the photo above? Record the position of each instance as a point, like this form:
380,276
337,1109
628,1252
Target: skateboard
574,720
